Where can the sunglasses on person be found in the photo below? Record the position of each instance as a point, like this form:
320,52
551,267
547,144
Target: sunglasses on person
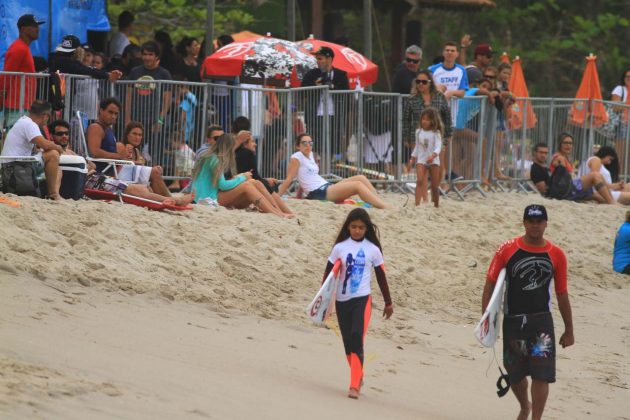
412,60
306,143
62,133
489,76
567,142
422,81
215,138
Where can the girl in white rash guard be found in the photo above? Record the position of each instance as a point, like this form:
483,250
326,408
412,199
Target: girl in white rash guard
359,249
303,165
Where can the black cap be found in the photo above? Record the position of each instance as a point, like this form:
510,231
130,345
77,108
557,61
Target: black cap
69,43
535,211
325,51
29,20
87,47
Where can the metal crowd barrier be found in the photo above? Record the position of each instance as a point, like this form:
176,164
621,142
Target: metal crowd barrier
355,132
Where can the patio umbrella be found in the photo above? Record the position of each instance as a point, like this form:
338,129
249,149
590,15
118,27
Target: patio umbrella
518,87
356,65
261,60
589,89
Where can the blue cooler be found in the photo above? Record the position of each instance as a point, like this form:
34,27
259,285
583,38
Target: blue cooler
74,169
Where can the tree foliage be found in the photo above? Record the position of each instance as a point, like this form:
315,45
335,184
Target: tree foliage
552,37
180,17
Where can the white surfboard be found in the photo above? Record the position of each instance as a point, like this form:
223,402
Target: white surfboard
487,330
321,307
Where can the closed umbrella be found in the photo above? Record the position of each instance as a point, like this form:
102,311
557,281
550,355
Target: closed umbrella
583,110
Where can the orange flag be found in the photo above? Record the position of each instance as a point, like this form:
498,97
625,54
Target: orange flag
505,58
589,89
518,87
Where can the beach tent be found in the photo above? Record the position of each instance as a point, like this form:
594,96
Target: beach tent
62,18
518,87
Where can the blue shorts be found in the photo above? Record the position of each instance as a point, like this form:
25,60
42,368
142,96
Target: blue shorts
579,193
318,194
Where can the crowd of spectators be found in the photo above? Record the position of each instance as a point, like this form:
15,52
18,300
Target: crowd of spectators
151,110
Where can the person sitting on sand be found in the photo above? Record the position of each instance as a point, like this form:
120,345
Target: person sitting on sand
621,253
240,192
246,162
591,186
315,187
60,133
606,162
102,143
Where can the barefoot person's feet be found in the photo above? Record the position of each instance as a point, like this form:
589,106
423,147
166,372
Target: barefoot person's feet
184,200
353,393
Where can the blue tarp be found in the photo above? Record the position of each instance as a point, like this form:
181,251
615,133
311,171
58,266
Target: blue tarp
64,17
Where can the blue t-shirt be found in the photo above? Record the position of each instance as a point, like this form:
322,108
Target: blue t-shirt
467,109
621,254
188,105
454,78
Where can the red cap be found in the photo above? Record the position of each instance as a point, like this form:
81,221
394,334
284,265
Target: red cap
483,49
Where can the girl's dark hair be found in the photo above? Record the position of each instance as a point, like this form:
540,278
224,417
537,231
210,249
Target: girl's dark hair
183,44
240,123
613,167
371,233
130,126
623,76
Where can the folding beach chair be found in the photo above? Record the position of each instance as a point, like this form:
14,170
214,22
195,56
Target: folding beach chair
82,149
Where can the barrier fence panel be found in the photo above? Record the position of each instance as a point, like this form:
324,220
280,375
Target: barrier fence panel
17,93
614,133
353,132
466,150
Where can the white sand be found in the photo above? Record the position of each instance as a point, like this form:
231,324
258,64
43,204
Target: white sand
112,311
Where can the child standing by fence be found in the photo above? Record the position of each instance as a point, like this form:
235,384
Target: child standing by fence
359,248
426,155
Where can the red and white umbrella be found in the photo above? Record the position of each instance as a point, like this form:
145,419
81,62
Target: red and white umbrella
355,64
260,60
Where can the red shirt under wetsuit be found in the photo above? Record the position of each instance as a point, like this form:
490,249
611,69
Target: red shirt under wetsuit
19,59
529,271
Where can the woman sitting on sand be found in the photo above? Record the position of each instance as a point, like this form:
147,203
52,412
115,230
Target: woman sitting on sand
606,162
240,192
246,162
140,173
315,187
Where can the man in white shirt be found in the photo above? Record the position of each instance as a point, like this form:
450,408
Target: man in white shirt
25,138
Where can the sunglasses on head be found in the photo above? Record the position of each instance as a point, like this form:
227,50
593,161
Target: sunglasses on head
412,60
306,143
422,81
61,133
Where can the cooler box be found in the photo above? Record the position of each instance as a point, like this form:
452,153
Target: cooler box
74,169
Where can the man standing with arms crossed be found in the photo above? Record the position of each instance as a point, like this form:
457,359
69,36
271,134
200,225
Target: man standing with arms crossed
532,263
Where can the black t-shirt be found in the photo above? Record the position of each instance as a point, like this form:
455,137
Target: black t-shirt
145,104
403,79
539,173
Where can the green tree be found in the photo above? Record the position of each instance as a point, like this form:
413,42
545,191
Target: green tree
180,17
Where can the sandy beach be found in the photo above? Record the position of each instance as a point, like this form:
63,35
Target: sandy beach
114,311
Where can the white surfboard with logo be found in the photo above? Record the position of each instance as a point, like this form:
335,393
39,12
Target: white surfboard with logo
488,327
322,305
